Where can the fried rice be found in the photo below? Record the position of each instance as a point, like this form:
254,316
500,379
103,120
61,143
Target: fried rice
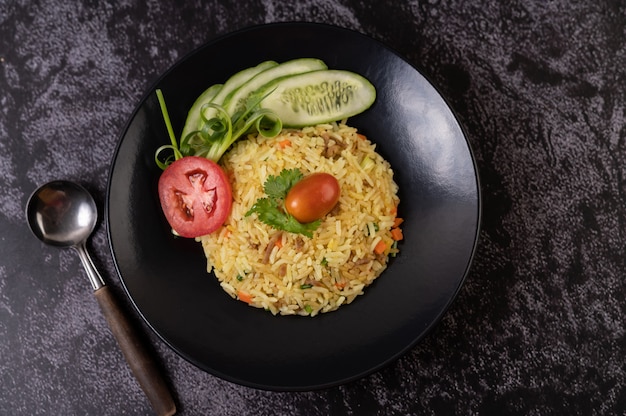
291,274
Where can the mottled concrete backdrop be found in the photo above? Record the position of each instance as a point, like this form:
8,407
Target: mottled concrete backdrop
540,86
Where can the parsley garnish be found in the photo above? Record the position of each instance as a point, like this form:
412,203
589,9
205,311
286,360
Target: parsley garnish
271,210
277,187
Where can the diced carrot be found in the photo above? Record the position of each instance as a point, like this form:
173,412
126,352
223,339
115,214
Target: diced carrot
380,247
361,136
279,243
397,221
396,234
340,285
284,143
244,296
394,211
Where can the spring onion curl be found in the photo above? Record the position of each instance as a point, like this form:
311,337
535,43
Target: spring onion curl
218,133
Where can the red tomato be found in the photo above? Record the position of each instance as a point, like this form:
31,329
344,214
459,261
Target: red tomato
195,195
313,197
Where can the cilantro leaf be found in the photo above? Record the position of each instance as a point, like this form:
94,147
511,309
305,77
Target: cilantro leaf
271,210
293,226
267,211
277,187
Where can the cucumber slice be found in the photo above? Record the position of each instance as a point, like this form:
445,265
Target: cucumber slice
236,100
193,116
317,97
193,122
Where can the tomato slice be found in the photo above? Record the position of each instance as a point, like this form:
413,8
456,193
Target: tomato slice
195,196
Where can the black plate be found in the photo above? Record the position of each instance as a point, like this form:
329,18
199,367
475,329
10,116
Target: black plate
166,279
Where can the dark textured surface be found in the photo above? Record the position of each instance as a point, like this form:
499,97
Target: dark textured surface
539,327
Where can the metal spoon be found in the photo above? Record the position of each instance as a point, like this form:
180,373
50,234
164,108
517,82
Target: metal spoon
63,214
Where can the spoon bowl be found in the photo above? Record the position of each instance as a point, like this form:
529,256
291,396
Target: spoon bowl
61,213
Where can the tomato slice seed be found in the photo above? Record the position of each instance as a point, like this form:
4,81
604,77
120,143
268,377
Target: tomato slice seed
186,205
208,200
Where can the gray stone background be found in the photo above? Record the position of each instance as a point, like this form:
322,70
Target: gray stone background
540,86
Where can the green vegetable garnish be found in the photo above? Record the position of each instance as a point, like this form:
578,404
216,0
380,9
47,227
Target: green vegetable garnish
271,210
394,246
300,92
277,187
306,286
218,133
371,229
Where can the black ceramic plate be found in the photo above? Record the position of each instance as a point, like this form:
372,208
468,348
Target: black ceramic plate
166,277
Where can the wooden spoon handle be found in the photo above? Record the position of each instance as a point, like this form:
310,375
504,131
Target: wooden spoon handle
142,365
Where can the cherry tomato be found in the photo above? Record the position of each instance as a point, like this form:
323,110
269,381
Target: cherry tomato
312,197
195,196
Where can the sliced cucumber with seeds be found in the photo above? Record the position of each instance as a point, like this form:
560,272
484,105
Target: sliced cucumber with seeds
317,97
234,82
236,100
193,117
302,92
